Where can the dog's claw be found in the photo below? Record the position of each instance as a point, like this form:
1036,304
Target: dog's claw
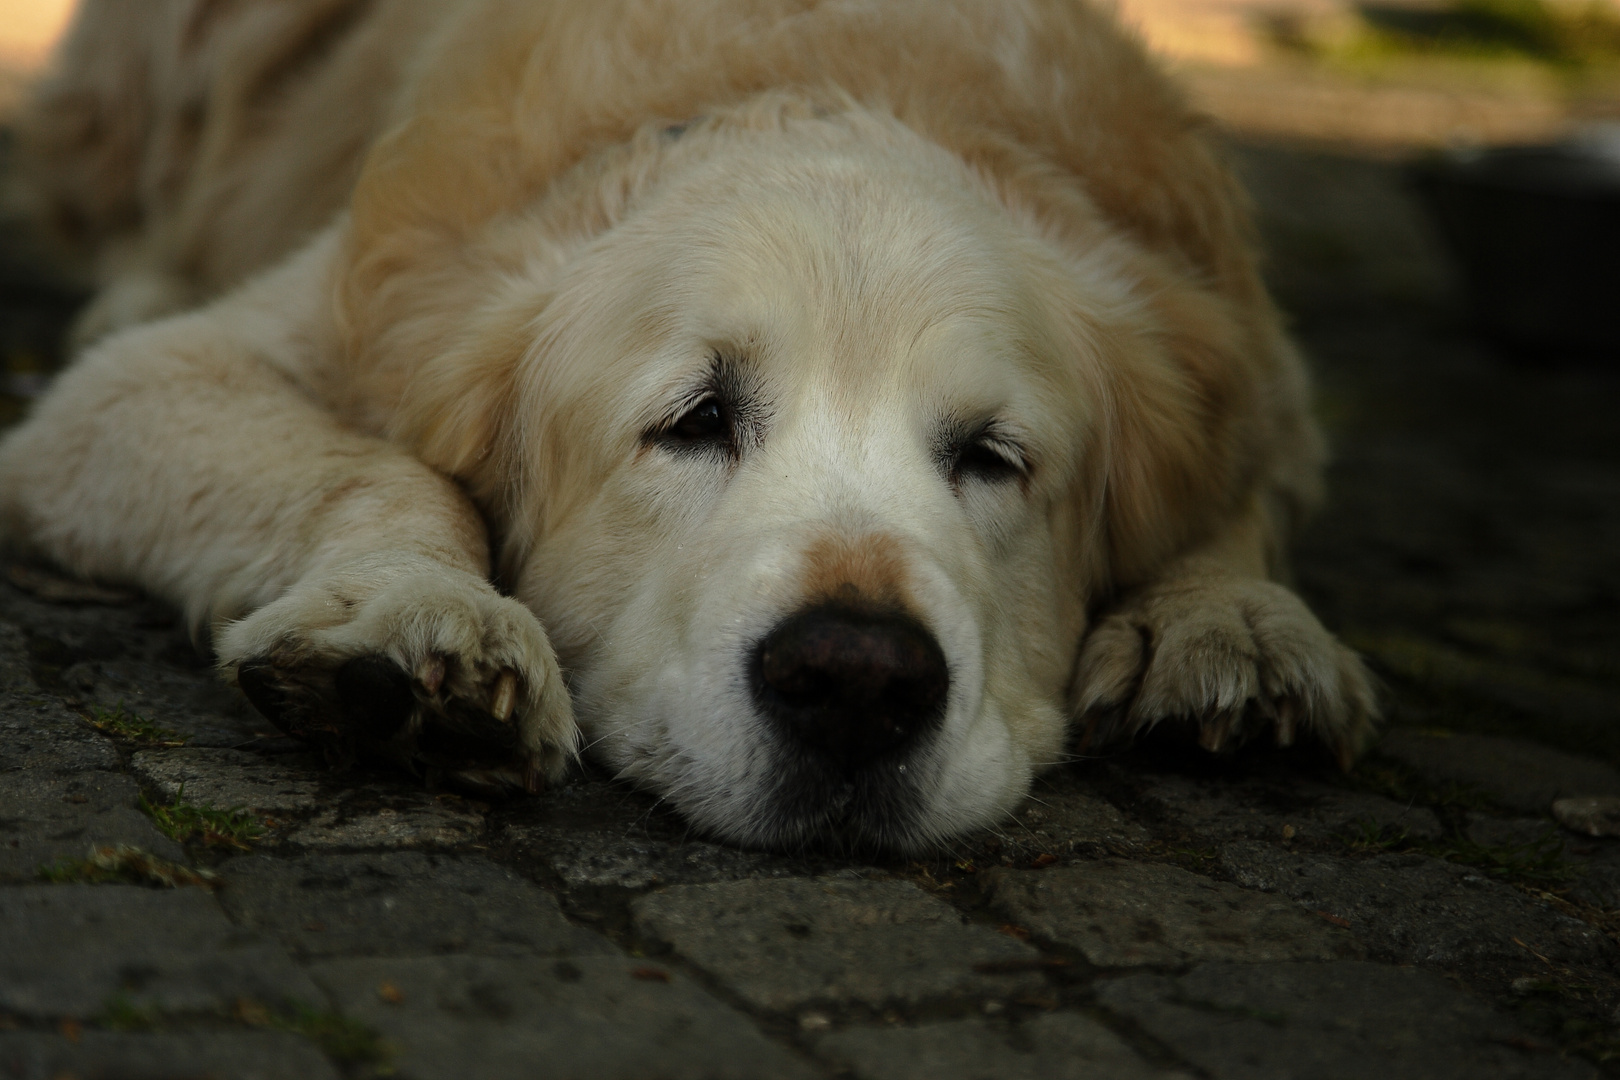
257,678
1345,752
1213,735
1286,710
534,781
505,697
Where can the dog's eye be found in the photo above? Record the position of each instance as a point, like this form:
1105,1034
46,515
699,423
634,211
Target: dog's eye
709,423
990,460
704,421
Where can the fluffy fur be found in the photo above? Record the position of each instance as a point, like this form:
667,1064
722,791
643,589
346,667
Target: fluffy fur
447,270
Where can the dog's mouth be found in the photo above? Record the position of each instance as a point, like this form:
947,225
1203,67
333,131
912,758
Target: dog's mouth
853,697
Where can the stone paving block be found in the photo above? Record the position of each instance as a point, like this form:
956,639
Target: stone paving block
398,903
593,833
45,817
1339,1021
1122,914
631,862
1414,909
784,943
1052,1046
1225,809
37,732
16,674
69,949
1516,773
1070,819
421,821
1597,816
107,1055
283,783
590,1018
191,700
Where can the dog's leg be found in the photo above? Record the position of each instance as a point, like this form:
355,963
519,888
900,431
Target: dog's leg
1214,643
345,583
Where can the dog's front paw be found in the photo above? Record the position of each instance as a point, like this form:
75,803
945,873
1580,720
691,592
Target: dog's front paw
1233,656
408,660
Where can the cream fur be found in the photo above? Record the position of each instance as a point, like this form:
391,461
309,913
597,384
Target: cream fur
455,260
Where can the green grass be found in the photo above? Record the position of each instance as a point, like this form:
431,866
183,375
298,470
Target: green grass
122,1014
1538,864
1398,782
210,826
1561,34
349,1043
344,1040
82,872
1570,36
132,726
121,863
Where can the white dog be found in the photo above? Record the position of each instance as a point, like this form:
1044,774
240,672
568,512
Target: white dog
847,397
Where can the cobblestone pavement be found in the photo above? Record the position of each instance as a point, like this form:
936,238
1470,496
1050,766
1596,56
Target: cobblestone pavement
186,893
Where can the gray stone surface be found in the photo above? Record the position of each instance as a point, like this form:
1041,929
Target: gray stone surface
398,903
1598,816
46,817
415,822
1412,909
1053,1046
104,1055
590,1018
37,733
592,834
284,783
1059,820
1516,773
203,711
71,950
782,944
1339,1021
1127,914
1251,811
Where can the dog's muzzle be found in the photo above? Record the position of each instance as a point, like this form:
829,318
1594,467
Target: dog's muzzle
848,686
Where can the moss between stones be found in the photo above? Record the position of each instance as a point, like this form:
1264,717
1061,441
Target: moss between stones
123,724
210,826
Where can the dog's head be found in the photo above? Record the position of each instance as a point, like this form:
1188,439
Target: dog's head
810,446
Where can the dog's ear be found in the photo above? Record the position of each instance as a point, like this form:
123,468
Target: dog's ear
1186,383
456,408
1178,450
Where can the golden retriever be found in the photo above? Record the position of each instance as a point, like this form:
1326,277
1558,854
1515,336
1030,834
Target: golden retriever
835,405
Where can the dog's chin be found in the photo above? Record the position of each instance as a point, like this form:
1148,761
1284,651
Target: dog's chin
814,804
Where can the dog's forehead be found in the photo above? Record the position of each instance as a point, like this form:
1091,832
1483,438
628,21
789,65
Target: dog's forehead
882,270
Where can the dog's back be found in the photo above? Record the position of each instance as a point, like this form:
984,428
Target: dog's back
178,146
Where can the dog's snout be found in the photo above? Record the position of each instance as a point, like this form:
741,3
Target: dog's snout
849,684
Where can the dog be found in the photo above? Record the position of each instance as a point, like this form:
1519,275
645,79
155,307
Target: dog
844,409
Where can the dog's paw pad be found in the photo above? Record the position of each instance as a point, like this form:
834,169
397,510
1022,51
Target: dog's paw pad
434,672
375,695
371,707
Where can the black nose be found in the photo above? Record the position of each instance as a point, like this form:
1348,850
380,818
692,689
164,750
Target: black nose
849,684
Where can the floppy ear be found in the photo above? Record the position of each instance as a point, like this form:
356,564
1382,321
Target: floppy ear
456,412
1187,425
